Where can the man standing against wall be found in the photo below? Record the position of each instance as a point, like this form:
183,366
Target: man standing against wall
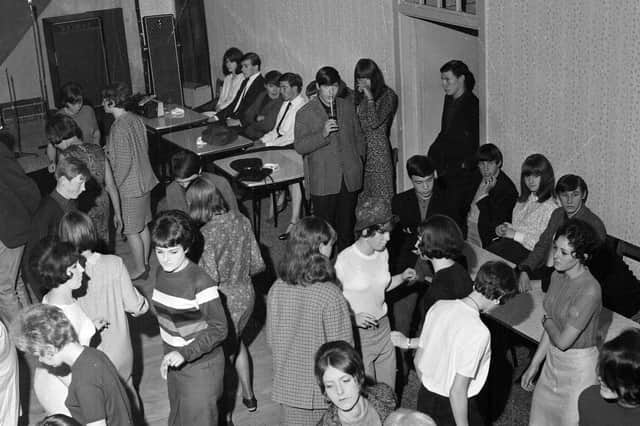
327,134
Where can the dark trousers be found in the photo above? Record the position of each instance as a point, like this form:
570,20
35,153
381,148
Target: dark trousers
439,408
339,210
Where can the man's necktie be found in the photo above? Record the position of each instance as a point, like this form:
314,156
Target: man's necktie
286,110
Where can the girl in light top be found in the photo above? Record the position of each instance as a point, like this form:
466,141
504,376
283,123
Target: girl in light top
363,269
531,213
233,77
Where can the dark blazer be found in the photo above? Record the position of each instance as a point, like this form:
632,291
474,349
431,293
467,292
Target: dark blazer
404,236
268,108
334,158
256,88
495,208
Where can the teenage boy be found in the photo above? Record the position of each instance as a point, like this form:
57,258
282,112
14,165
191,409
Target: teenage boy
573,192
454,349
252,86
327,134
192,323
96,395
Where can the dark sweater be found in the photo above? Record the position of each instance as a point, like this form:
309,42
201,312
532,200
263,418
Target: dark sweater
449,283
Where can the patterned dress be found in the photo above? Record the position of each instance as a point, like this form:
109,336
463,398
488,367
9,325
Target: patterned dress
230,256
376,118
95,200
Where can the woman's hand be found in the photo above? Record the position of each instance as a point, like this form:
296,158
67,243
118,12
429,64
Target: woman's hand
526,381
366,320
399,340
51,167
509,232
100,324
501,230
172,359
409,274
117,221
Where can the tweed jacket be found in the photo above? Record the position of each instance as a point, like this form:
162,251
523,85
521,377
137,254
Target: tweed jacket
299,320
334,158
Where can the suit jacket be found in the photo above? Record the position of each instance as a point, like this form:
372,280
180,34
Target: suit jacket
265,106
405,233
496,207
334,158
256,88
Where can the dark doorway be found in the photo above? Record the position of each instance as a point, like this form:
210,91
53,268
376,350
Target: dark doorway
192,34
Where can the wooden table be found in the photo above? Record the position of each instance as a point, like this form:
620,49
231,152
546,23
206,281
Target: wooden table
290,170
524,312
168,123
186,139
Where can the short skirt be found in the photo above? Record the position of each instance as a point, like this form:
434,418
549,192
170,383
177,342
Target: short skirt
136,213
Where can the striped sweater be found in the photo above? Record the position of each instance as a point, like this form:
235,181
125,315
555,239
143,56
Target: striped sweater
190,314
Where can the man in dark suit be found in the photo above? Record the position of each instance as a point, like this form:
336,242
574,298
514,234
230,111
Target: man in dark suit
252,86
327,134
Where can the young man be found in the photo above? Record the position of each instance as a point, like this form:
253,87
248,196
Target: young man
71,175
327,134
260,117
192,322
572,191
252,86
454,349
19,199
291,92
96,396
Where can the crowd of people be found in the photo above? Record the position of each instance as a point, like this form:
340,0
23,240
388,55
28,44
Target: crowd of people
373,284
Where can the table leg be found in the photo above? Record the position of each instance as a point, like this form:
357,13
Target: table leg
256,214
274,206
305,202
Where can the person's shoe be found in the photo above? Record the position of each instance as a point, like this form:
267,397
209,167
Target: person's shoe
284,236
251,404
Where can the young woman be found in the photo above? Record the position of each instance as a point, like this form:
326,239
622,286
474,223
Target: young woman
363,270
59,269
109,294
127,147
305,308
616,401
231,255
340,375
531,213
232,77
568,343
63,133
376,105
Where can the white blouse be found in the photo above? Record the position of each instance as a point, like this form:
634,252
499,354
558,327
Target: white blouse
230,86
530,219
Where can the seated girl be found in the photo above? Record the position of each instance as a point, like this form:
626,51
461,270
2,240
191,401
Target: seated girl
515,240
340,375
233,77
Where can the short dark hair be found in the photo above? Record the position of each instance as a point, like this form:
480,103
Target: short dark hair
489,152
70,93
327,76
233,54
70,167
41,325
311,89
538,165
496,280
253,58
304,264
60,127
272,78
619,366
184,164
367,68
459,68
440,237
571,183
7,139
120,94
204,201
341,356
58,420
50,260
420,165
293,79
172,228
78,229
581,236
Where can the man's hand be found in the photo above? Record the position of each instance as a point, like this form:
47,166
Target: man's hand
365,320
524,283
232,122
172,359
330,126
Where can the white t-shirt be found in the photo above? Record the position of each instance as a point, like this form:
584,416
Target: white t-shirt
364,279
453,341
9,392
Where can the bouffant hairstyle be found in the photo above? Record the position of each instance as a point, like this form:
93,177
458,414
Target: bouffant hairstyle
60,127
367,68
204,201
50,260
440,237
581,236
496,281
341,356
78,229
39,326
172,228
619,366
537,165
233,54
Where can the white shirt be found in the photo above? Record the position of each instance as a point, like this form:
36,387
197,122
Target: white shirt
9,392
364,279
286,127
230,87
244,91
453,341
